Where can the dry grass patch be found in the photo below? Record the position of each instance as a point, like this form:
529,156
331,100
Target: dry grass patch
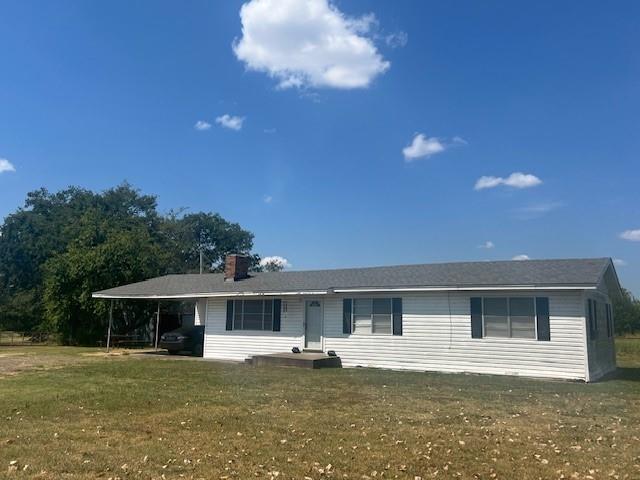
131,417
14,360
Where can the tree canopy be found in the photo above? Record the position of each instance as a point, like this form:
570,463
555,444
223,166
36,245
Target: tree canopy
626,312
62,246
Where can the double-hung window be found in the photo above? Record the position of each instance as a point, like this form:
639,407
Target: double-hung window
513,317
253,314
372,316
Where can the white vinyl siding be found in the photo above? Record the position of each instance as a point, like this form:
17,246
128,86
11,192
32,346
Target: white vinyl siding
436,337
241,344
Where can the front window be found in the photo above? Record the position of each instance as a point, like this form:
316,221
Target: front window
372,316
253,314
510,317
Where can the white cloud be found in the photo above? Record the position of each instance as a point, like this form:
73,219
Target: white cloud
541,207
308,43
267,199
230,121
631,235
275,260
515,180
487,182
397,39
522,256
536,210
423,146
6,166
202,125
488,245
618,262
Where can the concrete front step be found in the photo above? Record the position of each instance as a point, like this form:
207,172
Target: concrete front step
303,360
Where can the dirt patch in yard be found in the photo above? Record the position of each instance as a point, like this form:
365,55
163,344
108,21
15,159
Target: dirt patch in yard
17,360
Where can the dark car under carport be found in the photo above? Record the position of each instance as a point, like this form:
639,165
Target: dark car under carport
184,339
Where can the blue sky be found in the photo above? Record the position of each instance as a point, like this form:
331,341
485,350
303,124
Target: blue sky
362,154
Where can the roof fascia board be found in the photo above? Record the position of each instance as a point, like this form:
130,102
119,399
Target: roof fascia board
207,295
463,289
346,290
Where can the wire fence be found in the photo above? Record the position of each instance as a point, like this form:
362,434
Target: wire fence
134,340
10,337
15,338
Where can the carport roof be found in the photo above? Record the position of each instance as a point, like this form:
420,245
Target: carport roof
528,274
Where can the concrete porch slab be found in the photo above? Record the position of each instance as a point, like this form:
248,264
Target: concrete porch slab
302,360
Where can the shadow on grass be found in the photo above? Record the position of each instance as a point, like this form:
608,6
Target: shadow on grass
626,373
629,374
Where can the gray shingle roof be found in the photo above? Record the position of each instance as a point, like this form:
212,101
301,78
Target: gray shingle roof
535,273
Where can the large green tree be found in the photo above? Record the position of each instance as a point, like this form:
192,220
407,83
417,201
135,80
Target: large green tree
121,256
38,231
626,311
191,235
62,246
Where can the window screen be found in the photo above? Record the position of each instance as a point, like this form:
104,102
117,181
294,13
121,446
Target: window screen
253,314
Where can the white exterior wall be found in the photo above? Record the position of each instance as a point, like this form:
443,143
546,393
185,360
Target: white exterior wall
435,340
240,344
601,350
436,337
200,311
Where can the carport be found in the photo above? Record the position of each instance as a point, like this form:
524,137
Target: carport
174,288
172,319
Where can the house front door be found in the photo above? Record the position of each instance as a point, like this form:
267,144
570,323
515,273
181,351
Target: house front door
313,325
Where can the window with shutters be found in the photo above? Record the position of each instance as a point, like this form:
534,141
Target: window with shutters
372,316
253,314
513,317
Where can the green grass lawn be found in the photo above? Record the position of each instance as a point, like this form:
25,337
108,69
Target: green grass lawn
72,413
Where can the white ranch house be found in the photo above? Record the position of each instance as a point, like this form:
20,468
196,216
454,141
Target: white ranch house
537,318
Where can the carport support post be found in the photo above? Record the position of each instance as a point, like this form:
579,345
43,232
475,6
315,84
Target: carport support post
157,325
110,325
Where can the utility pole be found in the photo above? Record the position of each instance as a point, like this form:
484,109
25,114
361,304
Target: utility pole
201,260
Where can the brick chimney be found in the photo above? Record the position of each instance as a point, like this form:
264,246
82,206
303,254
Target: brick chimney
236,267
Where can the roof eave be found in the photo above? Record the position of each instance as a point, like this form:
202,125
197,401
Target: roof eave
468,288
204,295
